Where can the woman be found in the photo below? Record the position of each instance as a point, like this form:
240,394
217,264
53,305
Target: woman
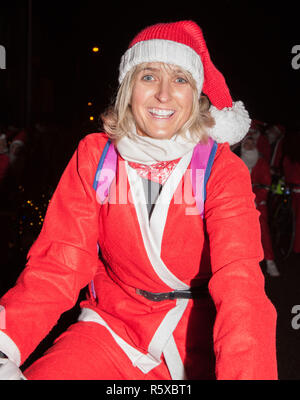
149,314
261,182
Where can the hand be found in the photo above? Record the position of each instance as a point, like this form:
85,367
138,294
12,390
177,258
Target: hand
9,371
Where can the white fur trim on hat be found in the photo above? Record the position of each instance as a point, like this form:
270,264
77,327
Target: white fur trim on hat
232,124
167,51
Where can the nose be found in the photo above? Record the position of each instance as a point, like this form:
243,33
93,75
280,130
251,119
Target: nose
163,93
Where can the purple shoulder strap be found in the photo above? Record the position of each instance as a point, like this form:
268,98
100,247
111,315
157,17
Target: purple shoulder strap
200,160
106,171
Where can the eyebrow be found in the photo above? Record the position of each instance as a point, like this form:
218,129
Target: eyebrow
174,71
149,69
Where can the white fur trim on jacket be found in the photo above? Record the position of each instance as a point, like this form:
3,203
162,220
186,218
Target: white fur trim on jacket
9,348
232,124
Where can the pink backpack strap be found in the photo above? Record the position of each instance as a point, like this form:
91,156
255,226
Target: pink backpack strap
201,164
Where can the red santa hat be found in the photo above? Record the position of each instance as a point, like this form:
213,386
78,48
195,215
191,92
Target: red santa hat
182,44
20,138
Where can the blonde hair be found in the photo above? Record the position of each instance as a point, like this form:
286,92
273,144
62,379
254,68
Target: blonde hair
117,119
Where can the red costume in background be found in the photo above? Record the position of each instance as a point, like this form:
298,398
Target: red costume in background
263,146
292,176
277,154
12,142
260,175
4,158
4,165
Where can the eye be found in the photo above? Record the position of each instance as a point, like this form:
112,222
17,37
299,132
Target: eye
181,79
148,78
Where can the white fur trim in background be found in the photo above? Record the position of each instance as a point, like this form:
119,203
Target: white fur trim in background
232,124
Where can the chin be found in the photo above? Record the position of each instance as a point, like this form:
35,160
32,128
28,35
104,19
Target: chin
161,135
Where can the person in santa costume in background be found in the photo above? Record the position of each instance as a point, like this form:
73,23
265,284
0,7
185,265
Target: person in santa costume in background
12,144
261,140
174,293
4,157
261,181
262,144
275,134
291,168
17,145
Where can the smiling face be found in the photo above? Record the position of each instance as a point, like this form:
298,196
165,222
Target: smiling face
161,101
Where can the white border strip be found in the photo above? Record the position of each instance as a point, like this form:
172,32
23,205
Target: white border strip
144,362
152,237
161,208
173,360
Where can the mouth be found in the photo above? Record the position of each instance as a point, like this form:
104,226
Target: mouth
161,113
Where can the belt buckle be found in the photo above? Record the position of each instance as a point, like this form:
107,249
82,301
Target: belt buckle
192,293
154,296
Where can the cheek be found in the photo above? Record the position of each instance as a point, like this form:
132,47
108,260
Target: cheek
136,101
139,96
187,103
185,96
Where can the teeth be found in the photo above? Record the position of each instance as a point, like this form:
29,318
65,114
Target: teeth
161,113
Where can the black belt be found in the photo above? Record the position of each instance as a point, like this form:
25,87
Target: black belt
192,293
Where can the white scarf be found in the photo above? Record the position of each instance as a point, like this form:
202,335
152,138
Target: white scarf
147,150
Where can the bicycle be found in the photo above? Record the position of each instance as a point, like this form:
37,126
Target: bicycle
282,219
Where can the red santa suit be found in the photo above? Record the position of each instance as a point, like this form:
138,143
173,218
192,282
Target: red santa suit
275,134
263,147
4,158
292,176
15,135
4,165
229,334
277,154
9,154
16,145
260,177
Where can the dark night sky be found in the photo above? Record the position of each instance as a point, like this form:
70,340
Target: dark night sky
250,42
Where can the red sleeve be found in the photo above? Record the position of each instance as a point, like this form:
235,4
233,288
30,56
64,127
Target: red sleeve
245,325
64,257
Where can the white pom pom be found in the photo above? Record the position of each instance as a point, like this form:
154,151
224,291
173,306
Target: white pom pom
232,124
